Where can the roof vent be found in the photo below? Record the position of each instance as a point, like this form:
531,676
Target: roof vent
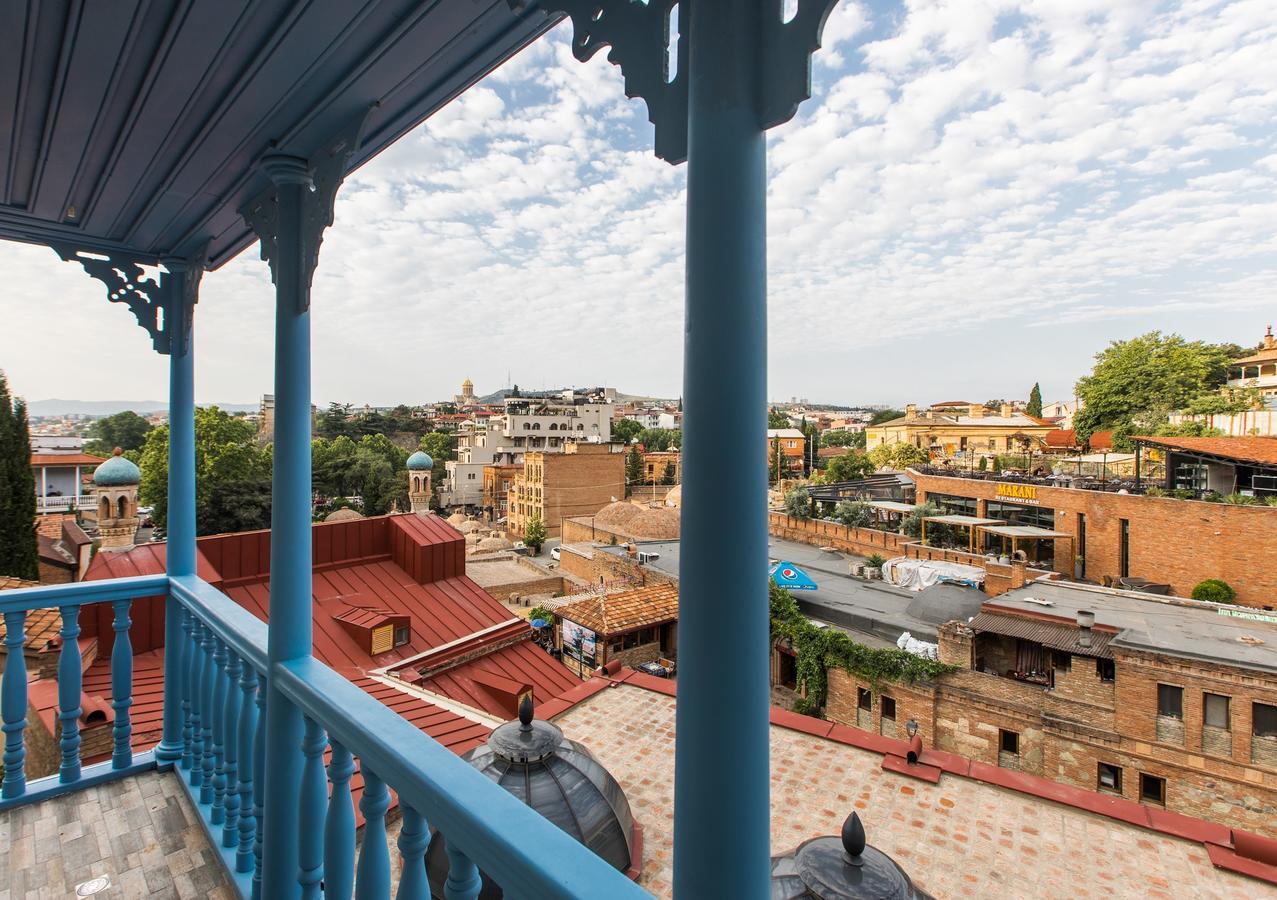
1085,621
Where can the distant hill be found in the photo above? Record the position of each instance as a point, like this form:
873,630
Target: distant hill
111,407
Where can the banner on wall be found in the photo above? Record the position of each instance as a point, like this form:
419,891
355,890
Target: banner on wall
579,643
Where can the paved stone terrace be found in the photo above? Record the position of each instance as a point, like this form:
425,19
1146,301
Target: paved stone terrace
141,831
959,838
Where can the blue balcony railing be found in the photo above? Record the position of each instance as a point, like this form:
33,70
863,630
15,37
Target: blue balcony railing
221,693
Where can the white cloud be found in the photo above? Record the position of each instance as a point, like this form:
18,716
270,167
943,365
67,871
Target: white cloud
969,177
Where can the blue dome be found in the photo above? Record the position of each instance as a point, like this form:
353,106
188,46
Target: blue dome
116,471
420,460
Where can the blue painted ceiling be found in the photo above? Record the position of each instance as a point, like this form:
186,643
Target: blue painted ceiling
135,125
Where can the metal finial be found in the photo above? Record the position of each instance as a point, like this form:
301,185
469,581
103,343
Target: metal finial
525,713
853,839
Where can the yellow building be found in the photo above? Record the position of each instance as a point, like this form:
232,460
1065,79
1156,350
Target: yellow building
949,430
580,481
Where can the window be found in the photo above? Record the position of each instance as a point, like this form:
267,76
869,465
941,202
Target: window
889,708
470,476
1170,701
1061,662
1106,670
1124,557
1152,789
1009,741
1215,711
402,634
1109,778
864,699
1265,720
1081,544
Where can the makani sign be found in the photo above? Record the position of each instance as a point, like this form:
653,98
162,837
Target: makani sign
1025,493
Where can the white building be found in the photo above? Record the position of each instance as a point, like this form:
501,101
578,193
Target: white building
1259,370
528,424
1064,410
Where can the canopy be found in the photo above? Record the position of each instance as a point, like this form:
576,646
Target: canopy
791,578
892,506
964,521
1023,532
1102,458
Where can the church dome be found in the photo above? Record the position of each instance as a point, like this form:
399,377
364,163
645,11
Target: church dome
561,780
116,472
420,461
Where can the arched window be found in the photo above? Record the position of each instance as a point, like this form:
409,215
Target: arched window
106,508
416,484
536,426
580,428
123,507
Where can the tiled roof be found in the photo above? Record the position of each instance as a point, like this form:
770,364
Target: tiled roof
42,625
1261,450
65,459
617,613
8,583
1067,438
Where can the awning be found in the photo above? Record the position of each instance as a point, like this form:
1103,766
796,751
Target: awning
791,578
964,521
894,506
1055,635
1024,532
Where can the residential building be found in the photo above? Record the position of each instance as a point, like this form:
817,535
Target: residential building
545,424
60,476
579,480
953,430
792,443
1260,422
1258,370
1164,702
657,462
496,490
1061,412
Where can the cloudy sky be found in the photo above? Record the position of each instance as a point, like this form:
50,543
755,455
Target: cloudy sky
980,195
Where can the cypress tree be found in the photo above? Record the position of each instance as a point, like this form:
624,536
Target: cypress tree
1035,401
17,490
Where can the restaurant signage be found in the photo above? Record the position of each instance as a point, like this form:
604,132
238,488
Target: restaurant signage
1240,614
1024,493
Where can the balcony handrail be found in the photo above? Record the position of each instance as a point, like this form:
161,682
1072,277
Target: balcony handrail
80,593
242,631
456,798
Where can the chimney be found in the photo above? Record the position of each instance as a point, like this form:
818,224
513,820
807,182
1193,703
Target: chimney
911,410
1269,342
631,549
1085,619
1006,410
975,411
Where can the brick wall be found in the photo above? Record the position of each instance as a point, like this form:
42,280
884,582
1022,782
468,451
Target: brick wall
1225,539
609,567
1066,732
860,541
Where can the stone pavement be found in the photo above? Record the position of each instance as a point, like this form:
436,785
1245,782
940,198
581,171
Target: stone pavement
959,838
141,831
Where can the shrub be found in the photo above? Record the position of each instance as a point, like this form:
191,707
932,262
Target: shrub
853,513
798,503
1213,497
911,523
875,560
1155,491
805,707
541,612
1240,500
1214,590
983,464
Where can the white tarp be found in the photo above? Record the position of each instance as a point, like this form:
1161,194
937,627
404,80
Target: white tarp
910,644
920,574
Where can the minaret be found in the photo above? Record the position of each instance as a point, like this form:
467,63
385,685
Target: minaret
419,467
115,483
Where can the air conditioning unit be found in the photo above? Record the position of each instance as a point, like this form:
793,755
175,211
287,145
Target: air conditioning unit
647,557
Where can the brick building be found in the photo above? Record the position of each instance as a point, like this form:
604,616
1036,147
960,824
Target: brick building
657,462
1171,703
1163,539
626,628
579,481
496,489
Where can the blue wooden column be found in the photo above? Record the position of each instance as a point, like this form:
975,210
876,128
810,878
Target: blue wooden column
734,69
290,557
180,287
721,788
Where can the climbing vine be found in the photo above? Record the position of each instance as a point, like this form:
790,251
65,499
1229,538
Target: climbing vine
818,649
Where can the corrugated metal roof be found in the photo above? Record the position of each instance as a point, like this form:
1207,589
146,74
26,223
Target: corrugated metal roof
1056,635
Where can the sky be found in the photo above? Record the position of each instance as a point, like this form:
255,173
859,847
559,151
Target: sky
980,196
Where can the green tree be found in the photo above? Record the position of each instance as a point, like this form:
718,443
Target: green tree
885,415
670,475
18,553
625,430
854,513
1136,383
126,430
798,503
534,534
777,419
660,439
633,469
331,464
1034,407
839,438
848,467
440,445
226,452
335,421
898,456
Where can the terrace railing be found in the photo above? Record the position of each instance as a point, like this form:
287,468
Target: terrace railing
221,694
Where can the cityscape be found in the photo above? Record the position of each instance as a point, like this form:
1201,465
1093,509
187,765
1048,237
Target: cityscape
769,592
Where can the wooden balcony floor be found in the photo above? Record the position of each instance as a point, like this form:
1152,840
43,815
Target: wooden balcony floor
140,831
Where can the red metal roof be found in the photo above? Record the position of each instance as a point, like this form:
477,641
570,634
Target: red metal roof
1067,438
524,663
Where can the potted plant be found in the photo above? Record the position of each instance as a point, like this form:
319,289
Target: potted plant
1078,567
873,565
